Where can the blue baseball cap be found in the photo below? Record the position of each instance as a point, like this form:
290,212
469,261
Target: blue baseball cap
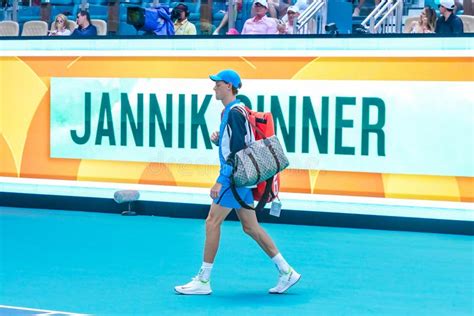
228,76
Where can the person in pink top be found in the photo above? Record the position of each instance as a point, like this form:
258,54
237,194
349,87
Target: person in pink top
260,23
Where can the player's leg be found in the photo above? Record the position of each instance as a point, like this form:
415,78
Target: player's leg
201,284
251,227
216,216
287,275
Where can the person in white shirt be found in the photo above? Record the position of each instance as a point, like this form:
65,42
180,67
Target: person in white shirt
60,26
260,23
289,27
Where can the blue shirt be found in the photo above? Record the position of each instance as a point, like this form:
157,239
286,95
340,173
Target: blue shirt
91,30
232,132
453,25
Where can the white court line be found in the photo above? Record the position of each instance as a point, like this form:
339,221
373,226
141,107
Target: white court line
44,311
291,201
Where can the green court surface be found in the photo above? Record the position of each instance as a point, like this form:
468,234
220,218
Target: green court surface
107,264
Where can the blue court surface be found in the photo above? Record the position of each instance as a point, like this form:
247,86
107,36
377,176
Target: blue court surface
65,262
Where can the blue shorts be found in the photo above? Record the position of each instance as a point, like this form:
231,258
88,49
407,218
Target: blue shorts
226,198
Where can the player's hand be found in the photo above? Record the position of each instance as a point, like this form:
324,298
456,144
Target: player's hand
215,138
216,188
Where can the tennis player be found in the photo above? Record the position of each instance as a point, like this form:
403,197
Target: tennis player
233,135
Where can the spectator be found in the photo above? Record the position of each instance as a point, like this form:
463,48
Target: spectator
448,23
260,23
426,23
288,27
84,25
274,7
60,26
225,19
301,5
180,16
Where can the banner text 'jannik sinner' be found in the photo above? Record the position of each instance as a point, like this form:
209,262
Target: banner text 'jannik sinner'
323,125
103,130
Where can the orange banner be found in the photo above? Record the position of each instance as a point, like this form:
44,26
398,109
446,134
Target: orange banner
25,119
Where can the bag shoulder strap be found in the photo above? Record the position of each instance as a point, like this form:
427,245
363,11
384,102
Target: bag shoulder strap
263,200
243,109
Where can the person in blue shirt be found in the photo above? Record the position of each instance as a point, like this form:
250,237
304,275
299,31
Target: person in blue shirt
448,22
84,25
234,134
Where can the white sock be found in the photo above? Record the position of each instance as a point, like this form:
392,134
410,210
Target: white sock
281,263
205,271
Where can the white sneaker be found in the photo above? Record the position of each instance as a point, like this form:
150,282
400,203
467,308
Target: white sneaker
195,287
285,281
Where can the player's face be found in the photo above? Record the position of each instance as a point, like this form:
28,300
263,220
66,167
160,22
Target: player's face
222,89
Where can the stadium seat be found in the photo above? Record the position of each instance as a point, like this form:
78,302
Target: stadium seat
60,2
99,12
28,14
67,10
145,3
98,2
35,28
149,3
218,12
468,23
101,26
127,29
65,7
408,23
9,28
72,25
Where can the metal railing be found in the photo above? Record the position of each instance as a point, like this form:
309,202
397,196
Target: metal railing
385,18
313,19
